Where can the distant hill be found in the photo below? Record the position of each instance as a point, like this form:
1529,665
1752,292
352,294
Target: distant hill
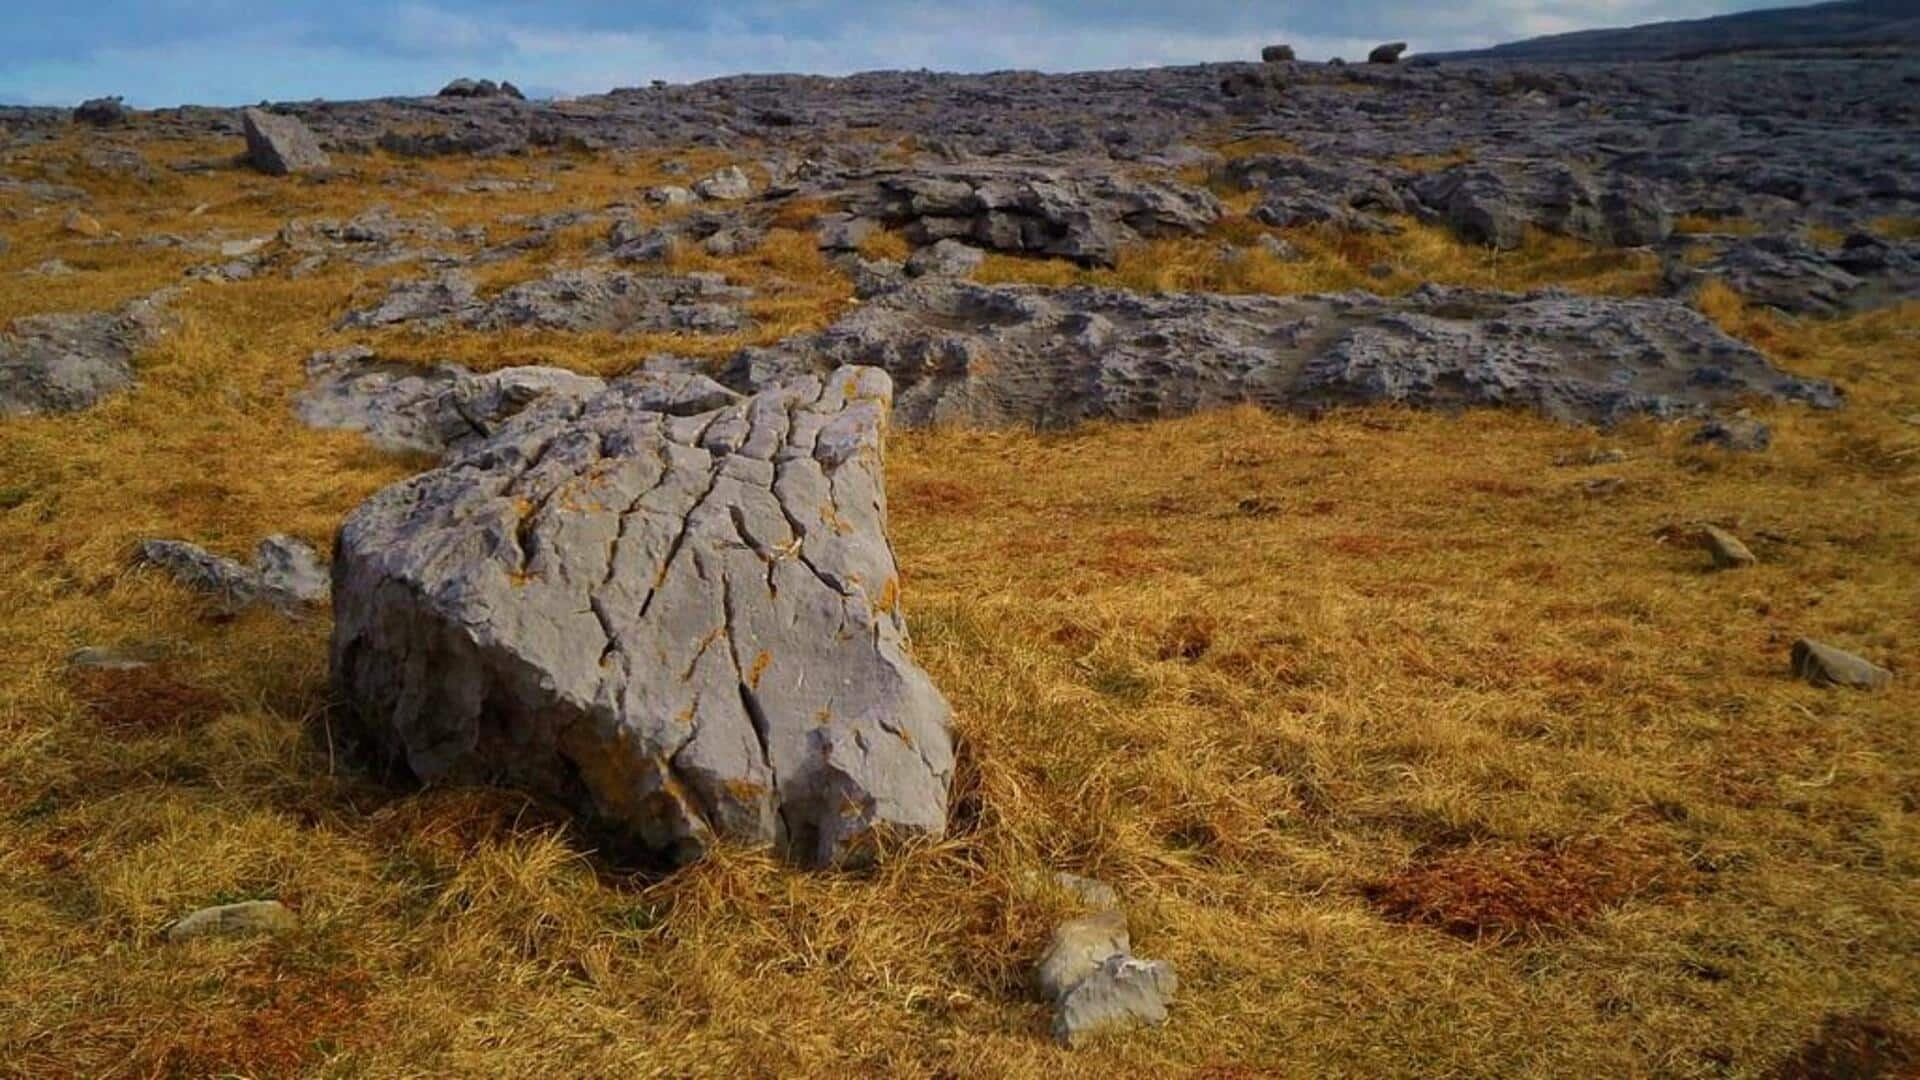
1848,24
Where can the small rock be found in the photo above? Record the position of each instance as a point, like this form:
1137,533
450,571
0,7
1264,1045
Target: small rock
235,920
1581,458
1388,53
1734,433
945,258
671,195
1604,485
1123,992
81,223
281,145
1727,550
1078,949
1277,54
728,184
1824,665
286,573
843,232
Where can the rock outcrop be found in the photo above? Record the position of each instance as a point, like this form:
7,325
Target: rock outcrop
576,300
684,622
280,145
286,574
68,362
1032,356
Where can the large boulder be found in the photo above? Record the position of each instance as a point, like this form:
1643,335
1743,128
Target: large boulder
686,624
281,145
1388,53
480,88
67,362
1277,54
101,112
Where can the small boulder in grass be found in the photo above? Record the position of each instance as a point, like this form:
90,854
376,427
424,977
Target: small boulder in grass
1824,665
1727,550
1124,992
245,918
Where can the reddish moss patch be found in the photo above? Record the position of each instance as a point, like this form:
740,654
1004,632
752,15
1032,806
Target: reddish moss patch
1502,891
272,1020
1852,1047
148,700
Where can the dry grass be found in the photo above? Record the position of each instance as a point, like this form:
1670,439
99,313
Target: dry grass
1247,668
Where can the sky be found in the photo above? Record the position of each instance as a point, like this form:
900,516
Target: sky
222,52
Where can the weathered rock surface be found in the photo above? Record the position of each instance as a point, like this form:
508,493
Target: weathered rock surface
248,917
730,183
285,575
1388,53
1078,949
686,625
67,362
434,410
1825,665
1124,992
1079,215
101,112
280,145
1028,355
480,88
578,300
1728,552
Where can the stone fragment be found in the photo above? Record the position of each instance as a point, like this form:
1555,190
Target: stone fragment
1078,949
1727,550
1124,992
246,918
285,575
1825,665
729,184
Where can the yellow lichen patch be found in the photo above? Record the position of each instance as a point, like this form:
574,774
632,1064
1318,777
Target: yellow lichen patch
758,669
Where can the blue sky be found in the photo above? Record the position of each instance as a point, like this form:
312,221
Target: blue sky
221,52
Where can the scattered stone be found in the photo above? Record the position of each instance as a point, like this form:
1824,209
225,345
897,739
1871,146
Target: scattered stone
1078,949
1277,54
101,112
246,918
1727,550
68,362
1388,53
1825,665
80,223
945,258
1588,458
286,574
843,232
672,195
685,626
729,184
1125,992
280,145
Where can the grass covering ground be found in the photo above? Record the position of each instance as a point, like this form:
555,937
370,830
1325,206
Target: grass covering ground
1416,752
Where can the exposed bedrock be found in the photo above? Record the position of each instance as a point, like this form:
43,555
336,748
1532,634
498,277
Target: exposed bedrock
577,299
1028,355
67,362
685,625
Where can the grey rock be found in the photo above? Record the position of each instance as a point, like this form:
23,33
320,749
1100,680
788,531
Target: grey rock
843,232
1032,356
118,657
68,362
1738,433
1727,550
729,184
281,145
1078,949
1825,665
672,195
686,626
101,112
1276,54
577,300
286,574
246,918
434,410
1388,53
945,258
480,88
1125,992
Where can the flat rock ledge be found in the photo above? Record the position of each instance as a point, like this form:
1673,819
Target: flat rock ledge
686,626
67,362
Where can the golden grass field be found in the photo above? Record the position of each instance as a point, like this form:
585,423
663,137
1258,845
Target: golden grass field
1414,751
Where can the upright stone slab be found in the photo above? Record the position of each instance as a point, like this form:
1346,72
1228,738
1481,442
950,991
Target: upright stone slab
281,145
686,625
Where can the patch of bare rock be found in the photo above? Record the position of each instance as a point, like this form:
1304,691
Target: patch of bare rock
582,299
67,362
685,623
1012,355
286,574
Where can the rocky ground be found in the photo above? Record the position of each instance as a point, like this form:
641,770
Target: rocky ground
1421,550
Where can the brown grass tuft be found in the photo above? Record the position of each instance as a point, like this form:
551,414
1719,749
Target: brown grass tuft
1503,891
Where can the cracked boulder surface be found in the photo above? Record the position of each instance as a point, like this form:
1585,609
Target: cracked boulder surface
67,362
684,623
1009,355
574,300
